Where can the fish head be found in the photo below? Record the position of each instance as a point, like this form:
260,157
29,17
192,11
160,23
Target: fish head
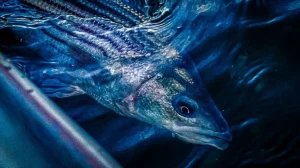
176,99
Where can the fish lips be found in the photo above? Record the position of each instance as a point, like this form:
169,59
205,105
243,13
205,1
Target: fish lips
220,140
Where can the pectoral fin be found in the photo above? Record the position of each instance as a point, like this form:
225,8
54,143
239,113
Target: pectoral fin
55,88
53,80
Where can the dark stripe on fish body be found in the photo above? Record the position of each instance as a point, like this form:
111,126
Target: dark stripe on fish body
82,57
143,38
131,44
114,10
132,40
56,47
91,8
99,9
110,39
52,5
56,8
56,43
116,46
145,41
60,42
83,40
107,12
104,28
120,10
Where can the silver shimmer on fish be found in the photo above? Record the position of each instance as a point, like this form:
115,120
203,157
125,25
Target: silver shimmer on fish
126,59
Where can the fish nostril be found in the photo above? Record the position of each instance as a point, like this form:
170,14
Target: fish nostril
227,136
223,126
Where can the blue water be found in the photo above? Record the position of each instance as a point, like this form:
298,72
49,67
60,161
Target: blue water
245,51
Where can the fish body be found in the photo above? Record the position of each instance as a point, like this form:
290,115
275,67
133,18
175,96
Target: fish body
110,51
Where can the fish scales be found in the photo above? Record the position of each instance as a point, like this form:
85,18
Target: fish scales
61,39
115,43
119,42
89,43
135,40
112,32
92,8
113,10
125,61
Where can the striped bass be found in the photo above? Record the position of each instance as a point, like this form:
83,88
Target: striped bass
125,58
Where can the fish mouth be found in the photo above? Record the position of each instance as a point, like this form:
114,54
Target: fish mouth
219,140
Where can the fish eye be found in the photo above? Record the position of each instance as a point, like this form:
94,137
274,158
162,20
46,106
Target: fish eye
185,106
185,109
